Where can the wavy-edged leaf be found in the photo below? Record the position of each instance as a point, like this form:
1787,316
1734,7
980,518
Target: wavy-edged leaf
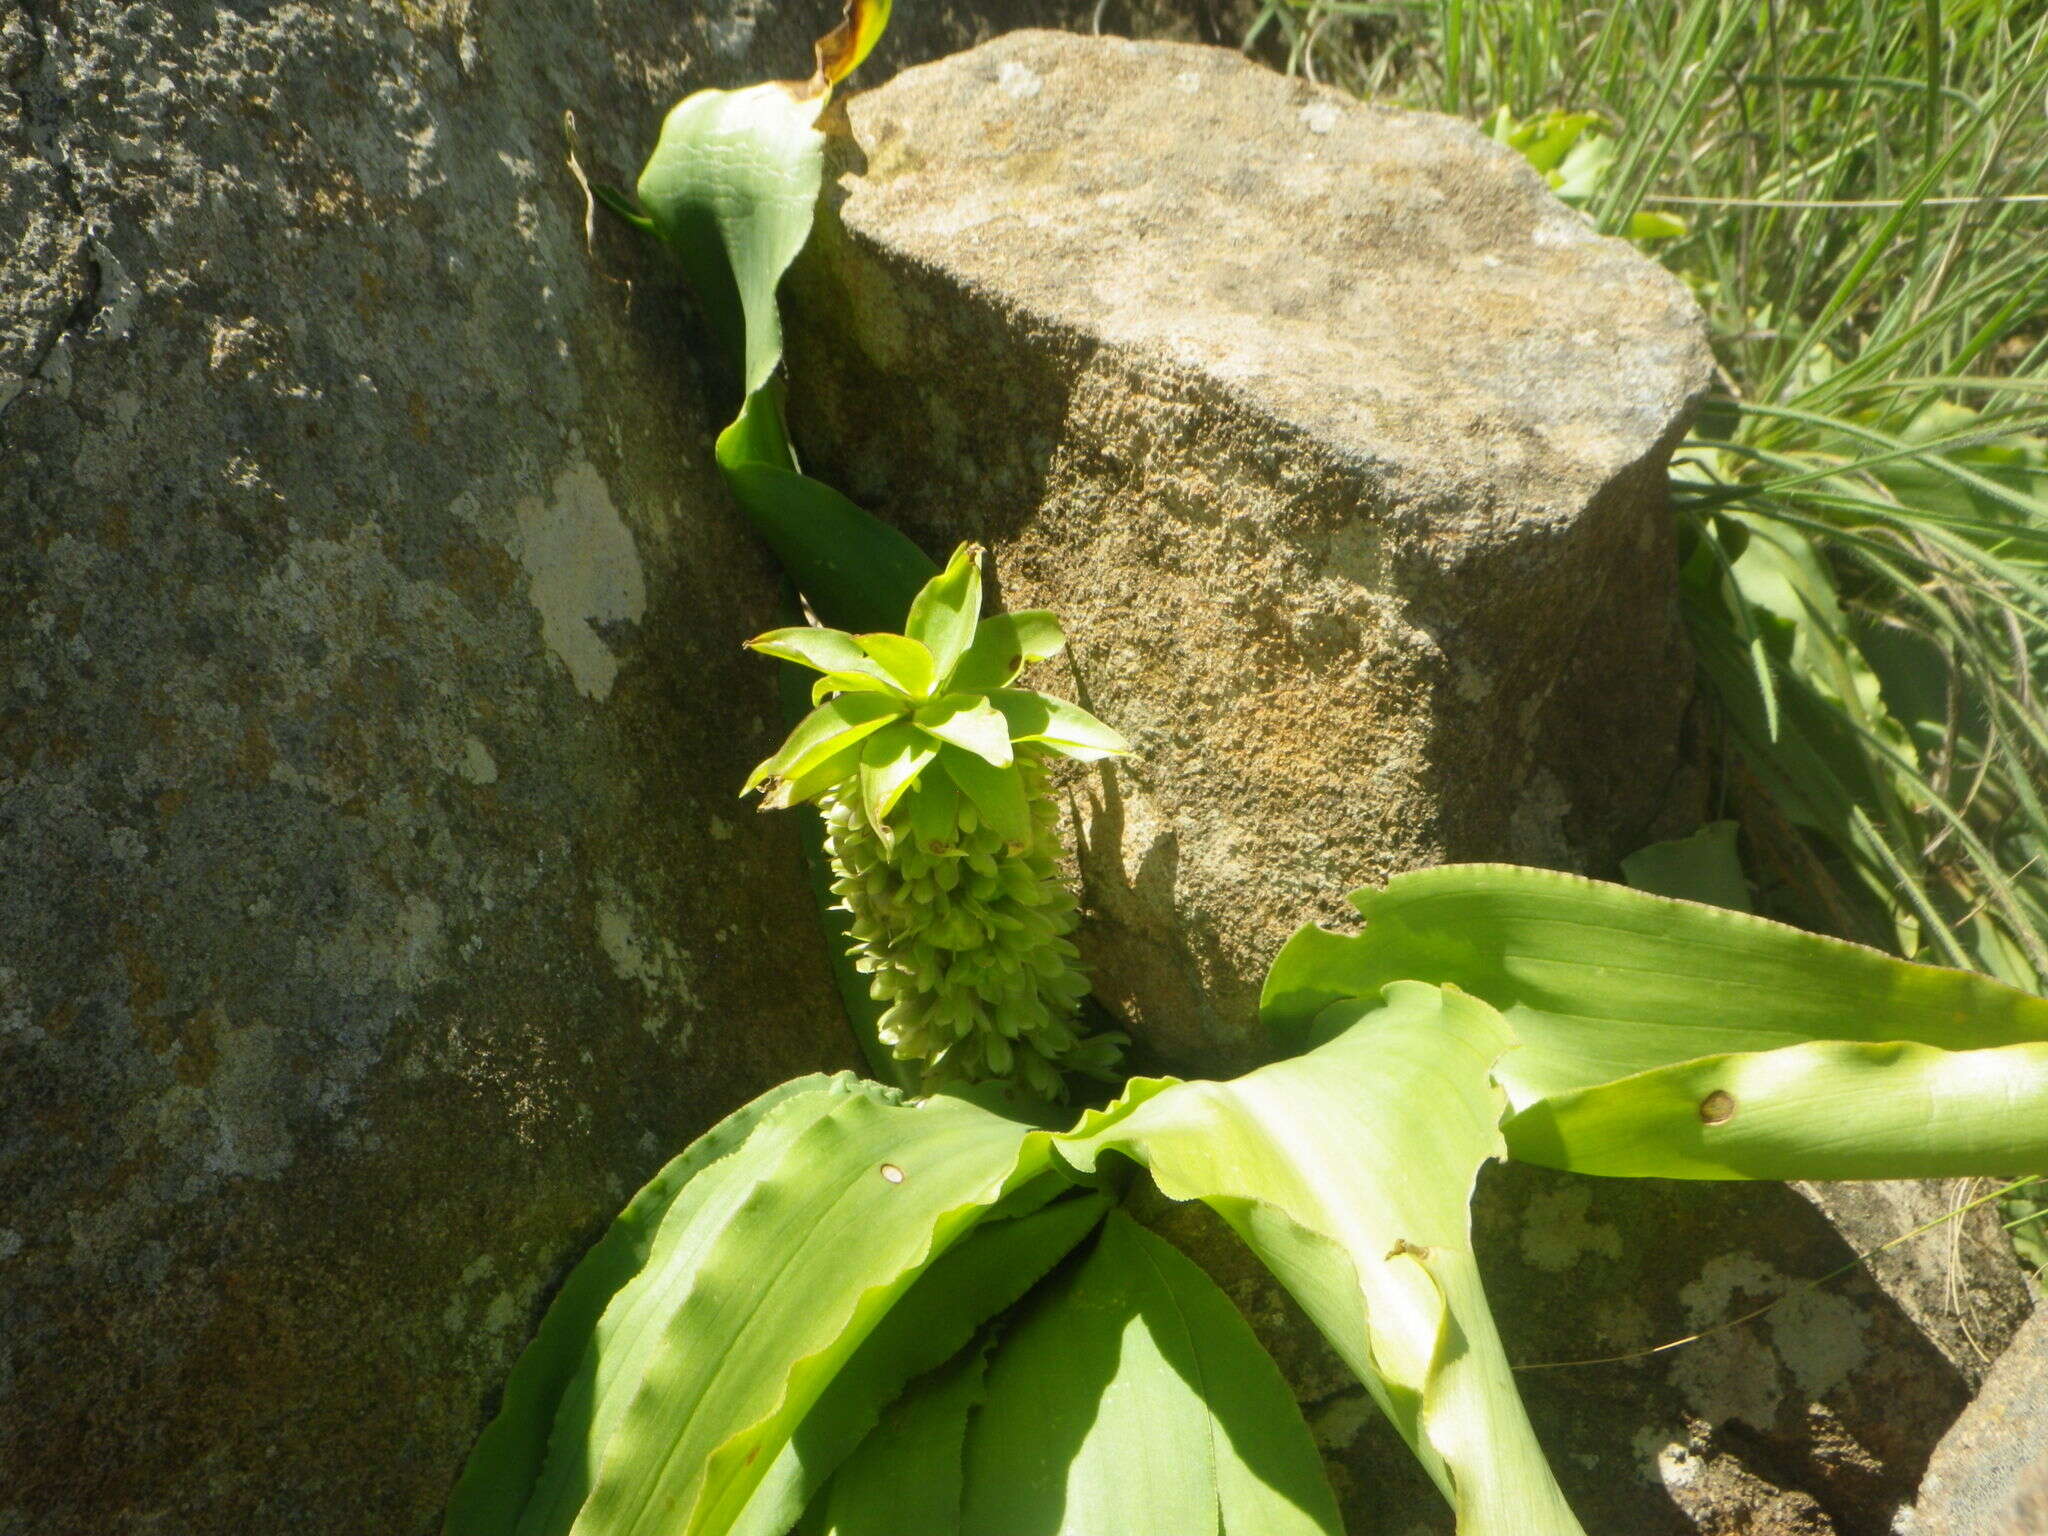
990,1269
1348,1170
732,188
1834,1109
1600,982
826,731
1131,1399
857,572
943,615
778,1296
500,1474
890,762
1004,645
591,1404
971,724
997,794
909,1474
1066,728
906,661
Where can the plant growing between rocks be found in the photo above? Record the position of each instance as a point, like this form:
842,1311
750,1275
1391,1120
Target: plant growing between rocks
849,1309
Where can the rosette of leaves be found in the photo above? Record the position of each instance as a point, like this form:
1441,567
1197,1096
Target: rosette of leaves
929,769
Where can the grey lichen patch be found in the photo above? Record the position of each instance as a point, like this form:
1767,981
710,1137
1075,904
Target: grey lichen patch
1557,1231
585,572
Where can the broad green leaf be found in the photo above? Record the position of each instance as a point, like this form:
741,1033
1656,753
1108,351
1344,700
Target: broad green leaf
1831,1110
943,615
1066,728
830,651
822,688
1704,867
827,773
827,730
1133,1398
1348,1170
990,1269
778,1296
500,1474
732,187
997,794
1599,982
1004,645
906,661
970,723
592,1403
856,571
890,762
909,1473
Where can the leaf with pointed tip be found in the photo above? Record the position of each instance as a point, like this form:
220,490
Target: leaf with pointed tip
1004,645
830,651
1348,1170
906,661
826,731
997,794
890,762
943,615
1066,728
499,1477
989,1270
1133,1400
970,723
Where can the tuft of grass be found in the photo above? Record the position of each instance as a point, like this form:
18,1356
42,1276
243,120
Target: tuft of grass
1857,191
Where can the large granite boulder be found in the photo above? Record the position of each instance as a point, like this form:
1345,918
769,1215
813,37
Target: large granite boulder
375,909
1989,1475
1335,439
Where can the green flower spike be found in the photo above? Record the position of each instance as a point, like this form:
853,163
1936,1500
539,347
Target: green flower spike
929,769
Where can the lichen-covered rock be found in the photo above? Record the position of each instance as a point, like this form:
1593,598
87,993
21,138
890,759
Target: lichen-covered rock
1337,441
375,909
1989,1475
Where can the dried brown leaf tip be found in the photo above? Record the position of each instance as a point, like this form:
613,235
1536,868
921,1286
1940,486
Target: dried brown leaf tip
841,50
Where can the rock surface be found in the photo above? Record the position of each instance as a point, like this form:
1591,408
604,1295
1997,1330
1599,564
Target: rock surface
1336,441
375,911
1989,1475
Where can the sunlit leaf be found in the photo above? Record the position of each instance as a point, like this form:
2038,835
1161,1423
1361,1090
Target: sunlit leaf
1348,1170
890,762
944,614
1004,645
970,723
830,728
1133,1399
1066,728
907,662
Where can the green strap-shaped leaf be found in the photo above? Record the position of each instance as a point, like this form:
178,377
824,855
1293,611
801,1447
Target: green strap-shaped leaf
994,1266
1348,1169
830,651
784,1292
499,1476
908,1476
1831,1110
825,732
1599,982
732,187
1133,1400
591,1402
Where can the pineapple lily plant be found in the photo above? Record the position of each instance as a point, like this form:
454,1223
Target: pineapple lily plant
929,769
853,1309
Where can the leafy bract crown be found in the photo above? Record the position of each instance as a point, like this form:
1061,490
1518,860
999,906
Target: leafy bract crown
937,698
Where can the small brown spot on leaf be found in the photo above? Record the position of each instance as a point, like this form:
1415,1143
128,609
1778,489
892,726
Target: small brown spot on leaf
1718,1107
